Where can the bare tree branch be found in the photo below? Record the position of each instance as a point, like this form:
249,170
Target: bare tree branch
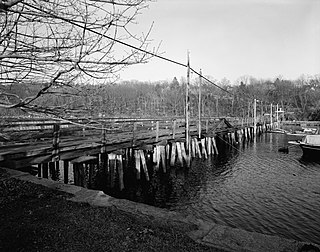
48,44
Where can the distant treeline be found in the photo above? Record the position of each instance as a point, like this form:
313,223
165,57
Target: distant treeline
298,98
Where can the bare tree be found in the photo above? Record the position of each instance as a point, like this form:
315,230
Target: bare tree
49,45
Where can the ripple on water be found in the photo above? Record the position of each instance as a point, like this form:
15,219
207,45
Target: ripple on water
258,189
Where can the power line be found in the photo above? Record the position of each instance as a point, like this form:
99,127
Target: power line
126,44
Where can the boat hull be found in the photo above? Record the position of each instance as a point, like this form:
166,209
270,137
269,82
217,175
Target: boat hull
295,136
310,151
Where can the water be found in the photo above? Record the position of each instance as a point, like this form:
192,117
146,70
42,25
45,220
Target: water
253,187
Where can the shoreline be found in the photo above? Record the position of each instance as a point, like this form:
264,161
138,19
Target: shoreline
211,235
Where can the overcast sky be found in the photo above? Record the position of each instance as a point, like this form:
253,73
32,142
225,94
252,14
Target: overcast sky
231,38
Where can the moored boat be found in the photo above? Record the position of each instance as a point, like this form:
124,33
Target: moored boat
310,146
298,135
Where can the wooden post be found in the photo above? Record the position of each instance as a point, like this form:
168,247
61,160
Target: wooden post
154,155
163,158
278,125
173,154
103,161
55,142
207,126
203,146
167,151
52,170
137,158
197,147
76,174
134,133
193,148
199,106
84,167
179,152
271,115
120,171
65,171
174,124
90,166
215,146
255,117
39,170
158,157
112,165
248,112
183,152
157,131
144,164
233,136
187,130
208,141
217,105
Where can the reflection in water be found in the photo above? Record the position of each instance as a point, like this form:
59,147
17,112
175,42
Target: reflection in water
260,189
253,187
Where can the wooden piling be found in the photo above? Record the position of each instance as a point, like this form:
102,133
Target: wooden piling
209,143
174,125
65,171
90,167
163,158
203,148
193,148
154,155
55,142
76,176
157,156
167,152
178,144
207,126
120,171
112,166
144,164
134,133
157,131
233,137
83,175
216,152
197,147
39,171
184,153
137,159
173,154
52,170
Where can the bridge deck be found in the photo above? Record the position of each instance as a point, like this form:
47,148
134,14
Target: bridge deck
117,135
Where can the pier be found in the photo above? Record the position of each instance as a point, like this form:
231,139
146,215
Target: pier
78,150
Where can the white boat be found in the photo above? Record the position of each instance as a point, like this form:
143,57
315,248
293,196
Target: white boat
298,135
310,146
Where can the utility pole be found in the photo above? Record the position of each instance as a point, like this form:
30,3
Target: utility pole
277,115
199,106
255,117
187,133
248,113
271,114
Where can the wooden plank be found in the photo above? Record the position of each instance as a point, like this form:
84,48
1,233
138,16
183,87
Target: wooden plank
83,159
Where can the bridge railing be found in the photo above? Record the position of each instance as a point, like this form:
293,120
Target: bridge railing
31,129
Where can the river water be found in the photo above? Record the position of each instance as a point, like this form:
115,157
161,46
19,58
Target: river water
252,187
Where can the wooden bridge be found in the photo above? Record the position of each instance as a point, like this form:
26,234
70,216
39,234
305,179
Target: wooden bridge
106,145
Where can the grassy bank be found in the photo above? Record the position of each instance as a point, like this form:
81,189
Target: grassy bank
35,218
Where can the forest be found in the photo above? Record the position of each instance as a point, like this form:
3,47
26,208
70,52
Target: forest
64,59
298,98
